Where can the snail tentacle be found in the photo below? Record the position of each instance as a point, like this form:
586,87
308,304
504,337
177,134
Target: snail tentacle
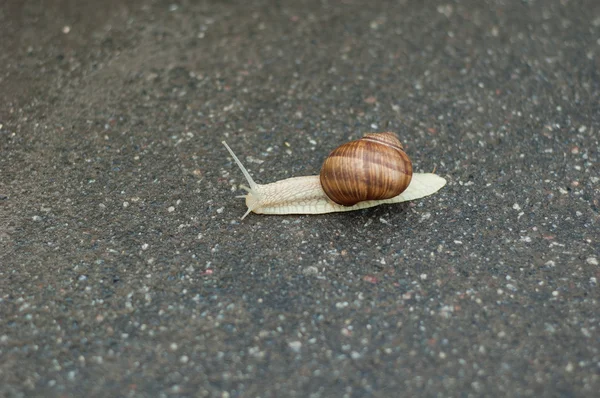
253,191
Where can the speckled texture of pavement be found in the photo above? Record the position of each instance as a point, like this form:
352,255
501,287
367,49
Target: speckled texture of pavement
125,269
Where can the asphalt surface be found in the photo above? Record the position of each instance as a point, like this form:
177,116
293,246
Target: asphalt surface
125,267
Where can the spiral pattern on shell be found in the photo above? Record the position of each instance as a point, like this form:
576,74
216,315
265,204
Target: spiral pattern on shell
371,168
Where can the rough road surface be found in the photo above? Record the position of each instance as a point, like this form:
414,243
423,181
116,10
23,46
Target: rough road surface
126,271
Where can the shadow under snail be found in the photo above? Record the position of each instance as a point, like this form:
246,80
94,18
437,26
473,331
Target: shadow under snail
367,172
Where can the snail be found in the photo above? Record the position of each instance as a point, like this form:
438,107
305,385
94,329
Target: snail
367,172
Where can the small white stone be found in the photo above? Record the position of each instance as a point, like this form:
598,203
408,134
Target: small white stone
592,260
310,271
586,332
384,221
171,209
569,368
295,345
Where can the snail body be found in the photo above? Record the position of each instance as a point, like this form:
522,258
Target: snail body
364,173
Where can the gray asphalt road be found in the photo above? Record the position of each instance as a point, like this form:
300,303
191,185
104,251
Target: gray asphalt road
125,267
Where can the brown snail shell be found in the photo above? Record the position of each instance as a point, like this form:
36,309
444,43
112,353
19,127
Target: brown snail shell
371,168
